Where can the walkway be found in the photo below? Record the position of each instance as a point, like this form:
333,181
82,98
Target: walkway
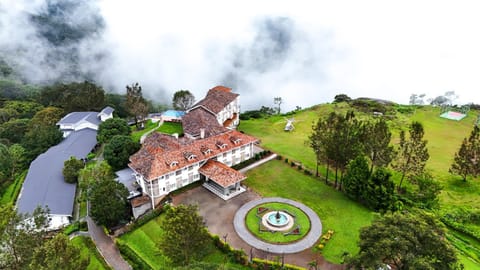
106,246
309,240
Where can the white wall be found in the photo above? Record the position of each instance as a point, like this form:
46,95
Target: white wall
58,221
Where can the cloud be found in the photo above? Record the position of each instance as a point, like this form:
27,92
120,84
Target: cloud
304,52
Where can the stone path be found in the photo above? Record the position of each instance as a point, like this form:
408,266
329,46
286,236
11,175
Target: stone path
106,247
306,242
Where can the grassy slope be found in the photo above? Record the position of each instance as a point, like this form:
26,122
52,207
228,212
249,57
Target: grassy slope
144,241
11,192
87,248
335,210
444,138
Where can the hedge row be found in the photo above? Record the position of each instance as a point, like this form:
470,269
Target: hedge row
132,257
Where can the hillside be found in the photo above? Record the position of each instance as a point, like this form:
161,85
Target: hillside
457,200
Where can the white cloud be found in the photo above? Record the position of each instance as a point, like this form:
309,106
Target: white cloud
384,49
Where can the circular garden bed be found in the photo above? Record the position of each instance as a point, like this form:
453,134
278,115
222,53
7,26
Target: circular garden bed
300,228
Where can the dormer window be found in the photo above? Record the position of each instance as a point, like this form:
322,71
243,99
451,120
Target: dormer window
235,140
221,144
205,150
189,155
172,164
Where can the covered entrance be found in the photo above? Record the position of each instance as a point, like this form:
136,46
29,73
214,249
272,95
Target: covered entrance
222,180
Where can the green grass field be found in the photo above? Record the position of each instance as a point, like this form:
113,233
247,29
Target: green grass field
444,138
144,241
87,248
338,213
171,128
137,134
301,219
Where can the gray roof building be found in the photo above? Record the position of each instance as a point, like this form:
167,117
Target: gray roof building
44,184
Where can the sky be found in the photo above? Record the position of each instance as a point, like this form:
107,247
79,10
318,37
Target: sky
303,51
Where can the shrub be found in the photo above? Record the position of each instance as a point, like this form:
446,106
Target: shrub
279,157
286,160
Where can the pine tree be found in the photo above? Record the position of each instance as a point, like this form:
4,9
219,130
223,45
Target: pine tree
412,153
466,160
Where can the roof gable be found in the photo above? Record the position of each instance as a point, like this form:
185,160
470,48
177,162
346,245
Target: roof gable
217,99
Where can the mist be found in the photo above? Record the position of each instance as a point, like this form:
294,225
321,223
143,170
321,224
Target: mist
305,52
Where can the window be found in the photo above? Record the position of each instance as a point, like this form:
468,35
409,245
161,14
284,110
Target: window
234,151
190,168
179,172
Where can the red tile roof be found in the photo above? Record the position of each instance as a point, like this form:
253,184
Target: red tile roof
217,99
161,153
221,173
199,118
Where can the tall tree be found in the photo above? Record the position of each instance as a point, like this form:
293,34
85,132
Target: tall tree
108,200
136,105
58,253
424,193
376,144
347,135
111,127
356,178
319,141
379,193
20,235
48,116
278,101
38,140
183,100
404,241
71,169
412,153
118,151
18,158
467,160
185,236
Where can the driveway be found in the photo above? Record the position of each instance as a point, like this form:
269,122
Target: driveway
219,214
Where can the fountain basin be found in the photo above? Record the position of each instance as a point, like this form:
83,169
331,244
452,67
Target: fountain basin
278,221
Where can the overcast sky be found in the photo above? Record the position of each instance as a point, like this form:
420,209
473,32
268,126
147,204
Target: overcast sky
303,51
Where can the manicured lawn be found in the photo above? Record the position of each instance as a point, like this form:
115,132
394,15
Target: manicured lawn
87,248
444,138
171,128
301,220
338,213
11,192
144,241
137,134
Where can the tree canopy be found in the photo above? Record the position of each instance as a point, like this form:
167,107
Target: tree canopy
71,169
74,97
108,200
20,235
112,127
136,105
412,153
183,100
58,253
404,241
185,237
467,160
118,151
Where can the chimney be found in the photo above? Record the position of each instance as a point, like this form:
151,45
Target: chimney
202,133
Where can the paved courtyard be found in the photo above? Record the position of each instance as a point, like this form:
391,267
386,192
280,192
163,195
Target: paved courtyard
219,215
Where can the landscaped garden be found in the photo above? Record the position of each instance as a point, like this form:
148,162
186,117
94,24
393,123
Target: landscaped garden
444,138
298,230
337,212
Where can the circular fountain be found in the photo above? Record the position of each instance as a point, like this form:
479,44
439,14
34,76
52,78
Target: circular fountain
278,220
